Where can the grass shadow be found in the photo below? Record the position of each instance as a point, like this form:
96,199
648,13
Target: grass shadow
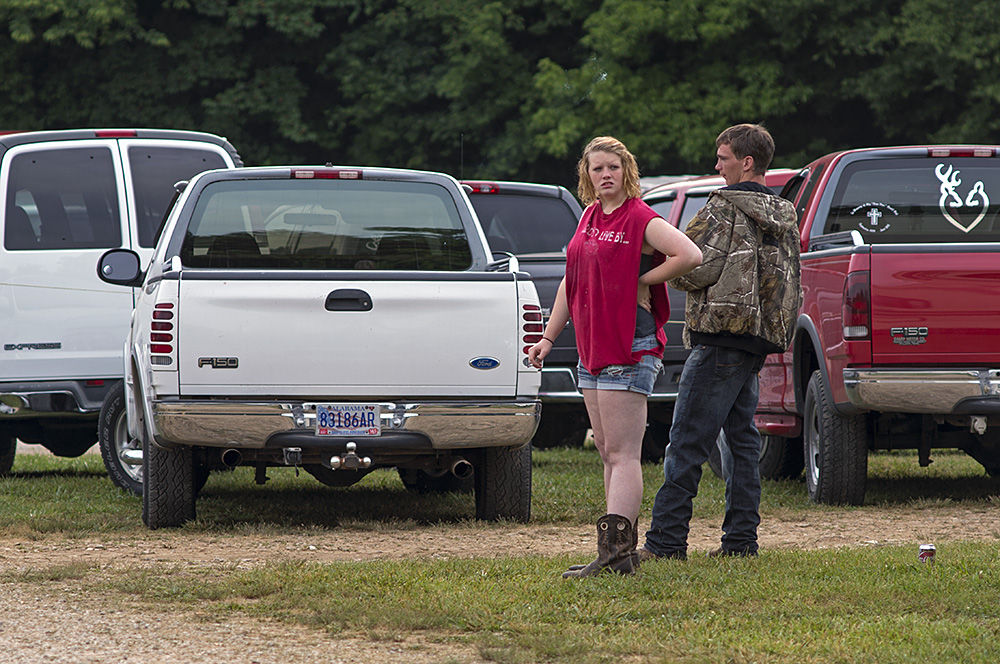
303,502
904,491
56,473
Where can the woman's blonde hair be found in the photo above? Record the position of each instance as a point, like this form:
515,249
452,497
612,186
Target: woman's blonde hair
630,169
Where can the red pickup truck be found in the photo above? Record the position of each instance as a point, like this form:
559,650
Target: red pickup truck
898,340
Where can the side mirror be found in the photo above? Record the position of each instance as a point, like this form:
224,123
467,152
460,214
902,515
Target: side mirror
121,268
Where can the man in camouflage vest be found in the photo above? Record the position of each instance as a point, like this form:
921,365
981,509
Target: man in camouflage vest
742,303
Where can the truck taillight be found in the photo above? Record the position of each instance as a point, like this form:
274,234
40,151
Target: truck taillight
962,152
532,327
857,312
116,133
327,173
482,187
161,347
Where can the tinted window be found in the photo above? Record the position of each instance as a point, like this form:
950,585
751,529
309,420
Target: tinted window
525,224
154,172
62,199
692,203
662,207
918,200
791,189
807,191
326,225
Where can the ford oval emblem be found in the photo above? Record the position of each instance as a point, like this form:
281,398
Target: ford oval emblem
484,363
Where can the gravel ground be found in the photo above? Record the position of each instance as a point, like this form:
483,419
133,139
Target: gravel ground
56,623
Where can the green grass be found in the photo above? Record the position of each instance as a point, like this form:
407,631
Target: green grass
75,498
876,604
861,605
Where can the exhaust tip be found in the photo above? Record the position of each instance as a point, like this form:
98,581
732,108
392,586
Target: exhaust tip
231,458
462,469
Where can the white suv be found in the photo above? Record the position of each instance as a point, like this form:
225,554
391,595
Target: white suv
68,197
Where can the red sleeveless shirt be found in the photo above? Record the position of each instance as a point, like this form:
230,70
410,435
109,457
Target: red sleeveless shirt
602,284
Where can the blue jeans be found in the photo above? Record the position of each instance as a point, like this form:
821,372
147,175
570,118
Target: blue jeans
639,377
718,390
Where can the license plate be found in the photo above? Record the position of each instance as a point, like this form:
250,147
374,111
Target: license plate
348,419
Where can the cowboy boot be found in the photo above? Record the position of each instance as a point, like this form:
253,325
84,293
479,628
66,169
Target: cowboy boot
635,543
615,548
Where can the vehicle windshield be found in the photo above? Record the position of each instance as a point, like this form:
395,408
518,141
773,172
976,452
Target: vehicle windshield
525,224
326,225
918,200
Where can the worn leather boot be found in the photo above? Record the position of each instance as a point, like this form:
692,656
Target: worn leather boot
635,543
616,542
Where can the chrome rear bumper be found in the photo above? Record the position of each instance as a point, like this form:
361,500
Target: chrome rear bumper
934,391
248,425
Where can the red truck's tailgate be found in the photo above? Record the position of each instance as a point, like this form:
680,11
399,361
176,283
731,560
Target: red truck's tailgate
935,304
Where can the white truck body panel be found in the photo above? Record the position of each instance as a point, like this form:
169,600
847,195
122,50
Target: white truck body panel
419,339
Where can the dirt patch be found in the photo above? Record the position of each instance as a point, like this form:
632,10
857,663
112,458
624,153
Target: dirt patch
850,529
38,625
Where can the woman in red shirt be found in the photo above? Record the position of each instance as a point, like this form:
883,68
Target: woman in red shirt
616,266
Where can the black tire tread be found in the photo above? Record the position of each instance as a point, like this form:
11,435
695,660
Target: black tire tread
843,447
8,448
168,489
503,484
781,458
112,409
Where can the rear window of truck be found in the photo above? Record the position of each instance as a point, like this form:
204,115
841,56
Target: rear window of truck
918,200
525,224
326,225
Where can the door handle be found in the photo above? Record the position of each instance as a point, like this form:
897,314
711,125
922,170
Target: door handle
348,299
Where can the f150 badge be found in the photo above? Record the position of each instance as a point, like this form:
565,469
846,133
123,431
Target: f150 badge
219,362
909,336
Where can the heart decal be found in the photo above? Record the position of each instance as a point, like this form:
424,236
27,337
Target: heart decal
950,198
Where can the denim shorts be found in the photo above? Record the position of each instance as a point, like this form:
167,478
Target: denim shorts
633,377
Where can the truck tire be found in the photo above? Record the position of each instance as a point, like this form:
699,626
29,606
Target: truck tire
715,458
655,440
561,426
503,484
8,448
115,443
780,458
168,488
835,449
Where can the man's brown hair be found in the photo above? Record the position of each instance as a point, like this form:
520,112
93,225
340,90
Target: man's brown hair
749,140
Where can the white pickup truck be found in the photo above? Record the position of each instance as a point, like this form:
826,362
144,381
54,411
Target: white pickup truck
338,319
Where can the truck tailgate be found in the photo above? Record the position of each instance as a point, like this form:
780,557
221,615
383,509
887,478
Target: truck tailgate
935,304
321,337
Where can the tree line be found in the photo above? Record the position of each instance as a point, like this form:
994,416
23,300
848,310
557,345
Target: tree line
509,89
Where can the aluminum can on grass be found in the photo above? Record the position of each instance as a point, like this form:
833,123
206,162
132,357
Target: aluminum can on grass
926,553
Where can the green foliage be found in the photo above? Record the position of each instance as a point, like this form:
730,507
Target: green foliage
508,89
88,23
